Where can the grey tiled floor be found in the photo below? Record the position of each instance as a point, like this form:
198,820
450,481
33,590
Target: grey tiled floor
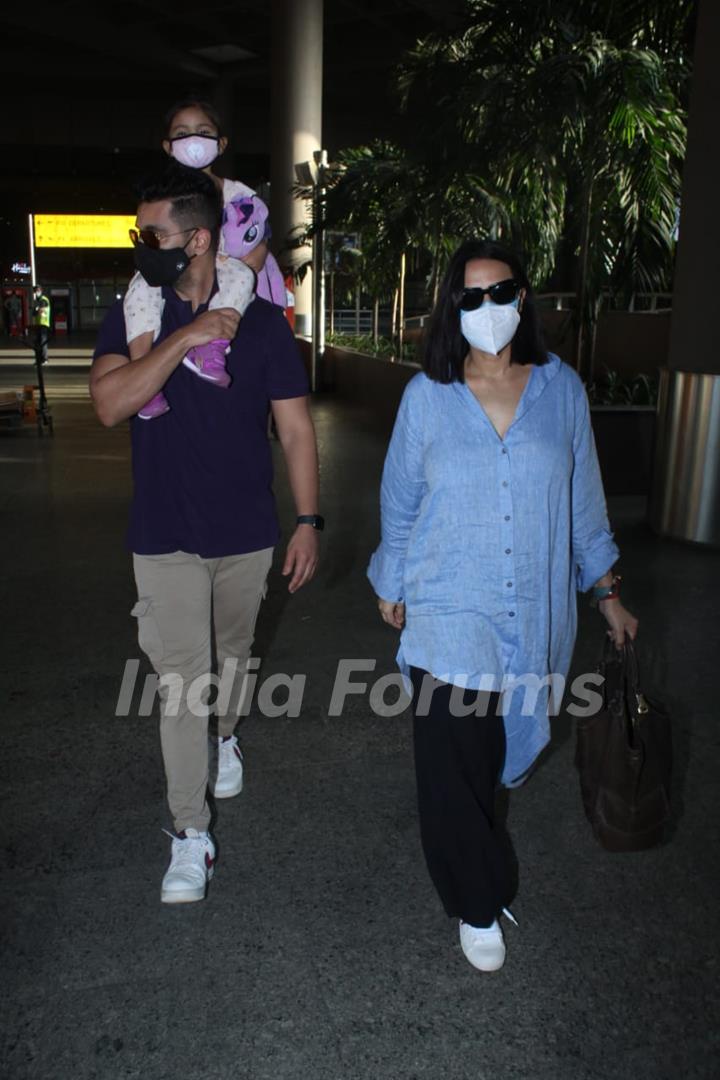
321,952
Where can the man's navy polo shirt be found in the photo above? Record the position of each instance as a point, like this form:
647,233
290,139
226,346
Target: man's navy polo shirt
203,471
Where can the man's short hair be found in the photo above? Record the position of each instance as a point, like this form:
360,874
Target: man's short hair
196,200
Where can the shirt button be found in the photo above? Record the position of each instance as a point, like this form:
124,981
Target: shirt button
509,584
508,550
505,483
507,517
511,614
504,450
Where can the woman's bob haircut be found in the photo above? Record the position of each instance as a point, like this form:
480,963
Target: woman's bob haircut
445,348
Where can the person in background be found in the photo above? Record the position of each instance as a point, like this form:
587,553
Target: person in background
40,322
493,516
15,313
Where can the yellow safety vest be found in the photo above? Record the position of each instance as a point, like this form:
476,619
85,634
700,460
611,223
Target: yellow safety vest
41,315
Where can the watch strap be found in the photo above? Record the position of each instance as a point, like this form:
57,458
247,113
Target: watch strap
315,520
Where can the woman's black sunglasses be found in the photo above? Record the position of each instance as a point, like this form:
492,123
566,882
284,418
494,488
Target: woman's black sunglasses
502,292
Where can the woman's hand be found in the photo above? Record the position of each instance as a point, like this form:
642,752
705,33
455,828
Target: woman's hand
620,620
392,613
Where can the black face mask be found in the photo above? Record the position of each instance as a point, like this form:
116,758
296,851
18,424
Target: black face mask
161,266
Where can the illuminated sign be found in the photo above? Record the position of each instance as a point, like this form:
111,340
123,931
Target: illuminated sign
83,230
21,268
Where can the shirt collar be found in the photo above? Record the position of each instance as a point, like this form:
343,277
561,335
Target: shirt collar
540,376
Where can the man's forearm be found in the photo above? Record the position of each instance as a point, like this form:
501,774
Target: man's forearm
118,393
302,465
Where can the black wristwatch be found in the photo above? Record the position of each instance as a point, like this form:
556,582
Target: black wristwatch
315,520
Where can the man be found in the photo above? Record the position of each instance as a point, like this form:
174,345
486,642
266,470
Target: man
40,319
203,521
14,308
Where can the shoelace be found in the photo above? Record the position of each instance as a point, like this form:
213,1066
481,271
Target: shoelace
184,850
227,750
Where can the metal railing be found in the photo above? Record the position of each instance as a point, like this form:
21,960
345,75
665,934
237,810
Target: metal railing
563,301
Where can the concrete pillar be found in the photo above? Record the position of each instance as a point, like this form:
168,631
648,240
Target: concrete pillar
685,499
297,72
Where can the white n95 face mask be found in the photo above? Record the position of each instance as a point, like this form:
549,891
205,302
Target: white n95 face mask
491,326
195,151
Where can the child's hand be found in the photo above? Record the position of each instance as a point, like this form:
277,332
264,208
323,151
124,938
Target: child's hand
218,324
255,259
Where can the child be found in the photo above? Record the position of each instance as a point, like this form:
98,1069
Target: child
194,139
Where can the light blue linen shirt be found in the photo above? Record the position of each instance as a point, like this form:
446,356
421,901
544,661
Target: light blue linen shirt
487,540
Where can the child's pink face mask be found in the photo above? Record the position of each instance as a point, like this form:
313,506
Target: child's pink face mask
195,151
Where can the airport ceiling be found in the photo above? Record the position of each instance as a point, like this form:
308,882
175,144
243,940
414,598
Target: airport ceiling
86,84
197,41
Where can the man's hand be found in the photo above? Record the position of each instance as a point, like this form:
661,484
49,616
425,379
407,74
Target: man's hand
302,556
218,323
393,613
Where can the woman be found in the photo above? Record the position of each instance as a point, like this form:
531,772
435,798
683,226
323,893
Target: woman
493,516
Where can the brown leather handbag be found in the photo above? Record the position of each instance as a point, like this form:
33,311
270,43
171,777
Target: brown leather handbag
624,757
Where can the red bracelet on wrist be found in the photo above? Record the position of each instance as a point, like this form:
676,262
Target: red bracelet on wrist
613,592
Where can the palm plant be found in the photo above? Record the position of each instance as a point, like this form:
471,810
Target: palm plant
557,125
572,111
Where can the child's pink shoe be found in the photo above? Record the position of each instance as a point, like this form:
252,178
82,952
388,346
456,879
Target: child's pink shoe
156,406
208,361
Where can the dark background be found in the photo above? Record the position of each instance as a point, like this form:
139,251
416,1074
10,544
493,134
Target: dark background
86,86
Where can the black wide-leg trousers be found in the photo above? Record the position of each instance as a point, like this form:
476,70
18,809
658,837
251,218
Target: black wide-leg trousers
458,762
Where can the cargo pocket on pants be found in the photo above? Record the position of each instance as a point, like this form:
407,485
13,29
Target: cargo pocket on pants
149,638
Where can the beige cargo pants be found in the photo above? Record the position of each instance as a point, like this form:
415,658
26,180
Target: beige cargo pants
181,599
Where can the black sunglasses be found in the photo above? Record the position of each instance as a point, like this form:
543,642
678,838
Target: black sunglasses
151,239
502,292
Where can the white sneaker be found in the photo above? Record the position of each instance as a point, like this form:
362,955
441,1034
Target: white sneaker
229,780
192,864
484,947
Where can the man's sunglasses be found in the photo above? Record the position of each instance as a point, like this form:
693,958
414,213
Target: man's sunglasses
151,239
502,292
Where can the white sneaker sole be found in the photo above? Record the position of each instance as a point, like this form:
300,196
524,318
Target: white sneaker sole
484,966
230,793
200,374
186,896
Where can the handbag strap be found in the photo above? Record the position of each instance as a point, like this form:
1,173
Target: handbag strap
629,675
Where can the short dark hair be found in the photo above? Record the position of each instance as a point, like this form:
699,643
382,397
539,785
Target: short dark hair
445,348
196,200
191,102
